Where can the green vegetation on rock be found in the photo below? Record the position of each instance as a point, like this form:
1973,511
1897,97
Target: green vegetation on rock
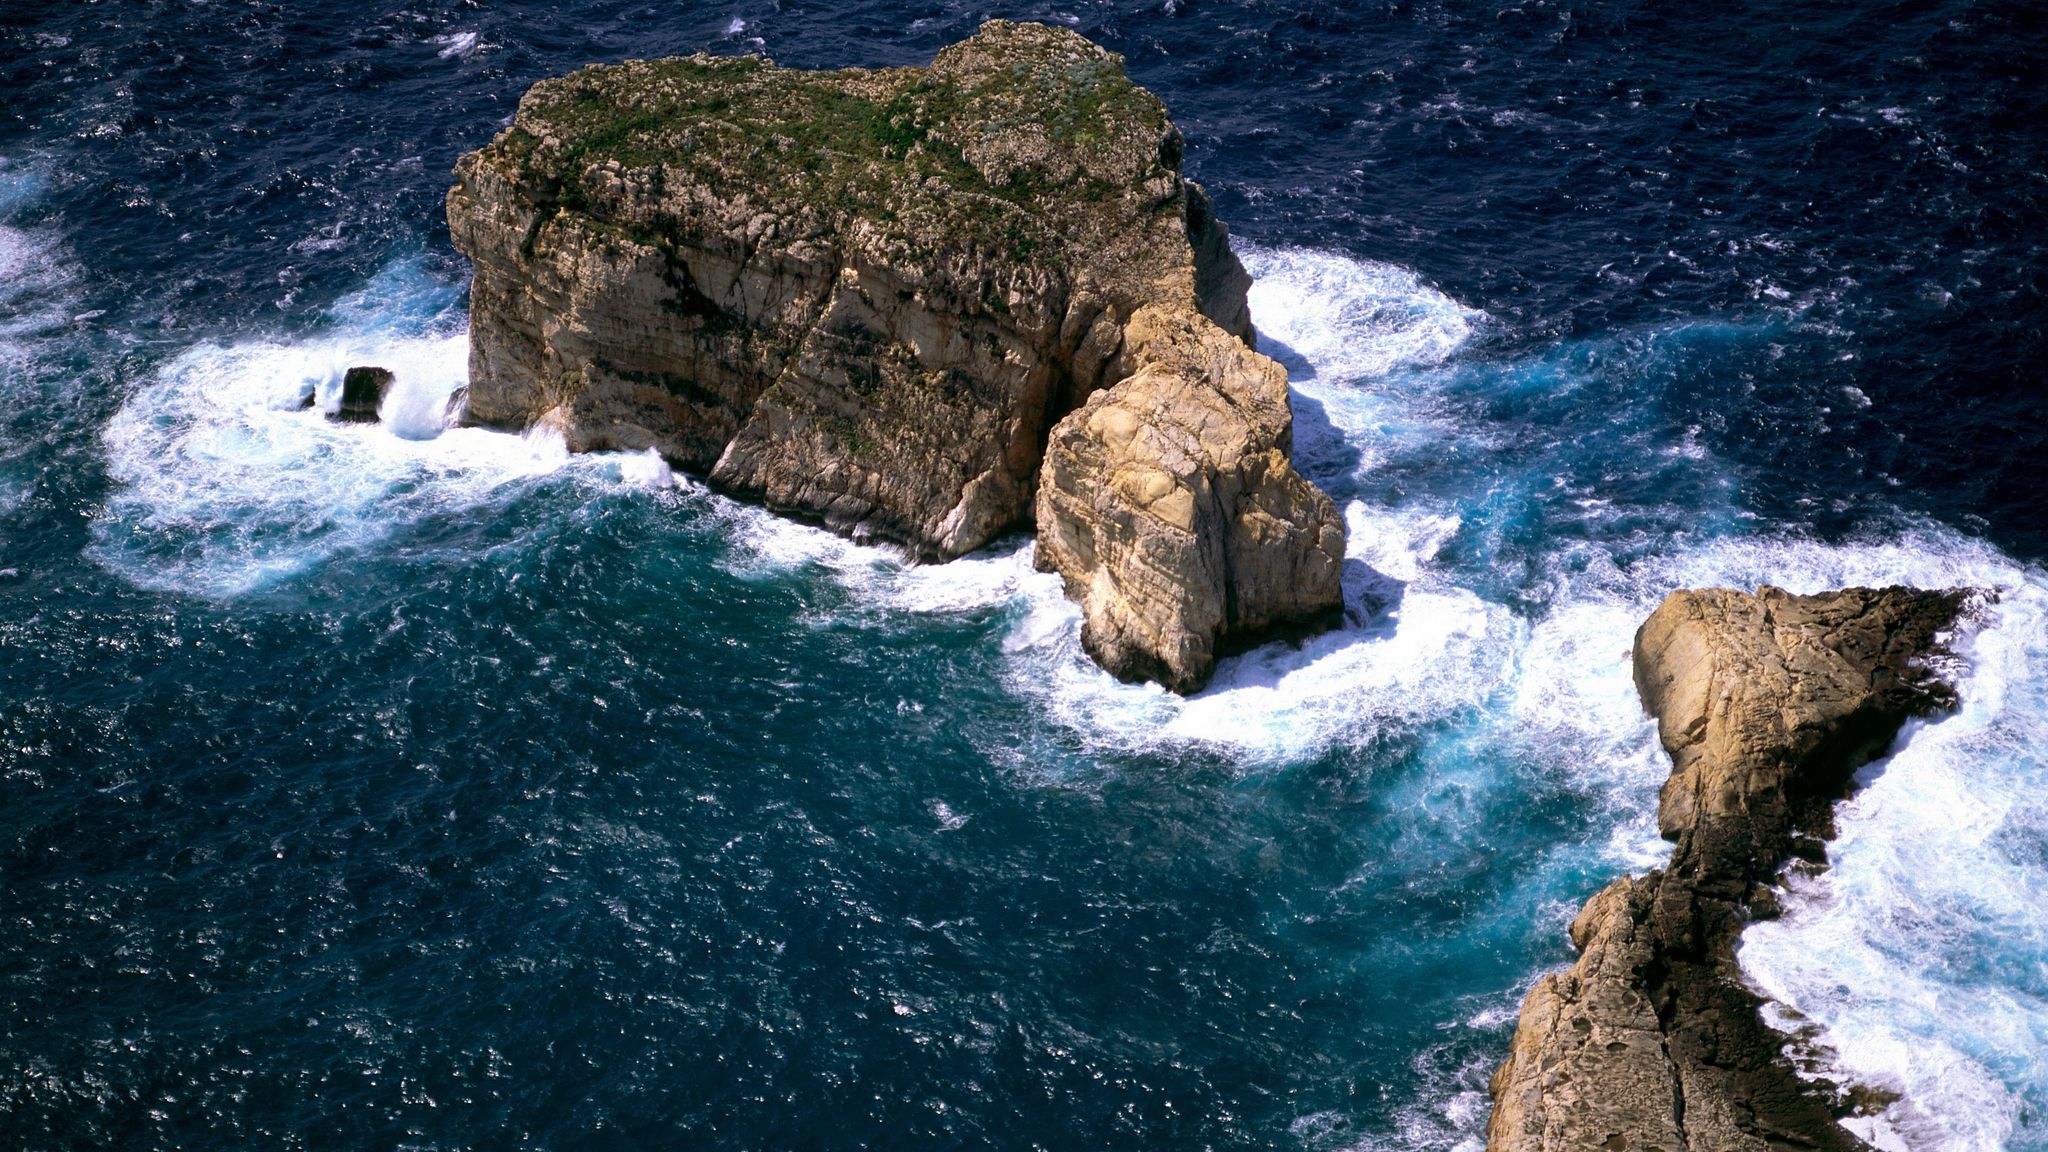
926,305
1003,159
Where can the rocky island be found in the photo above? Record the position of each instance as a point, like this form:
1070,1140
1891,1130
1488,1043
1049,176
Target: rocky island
929,306
918,305
1767,704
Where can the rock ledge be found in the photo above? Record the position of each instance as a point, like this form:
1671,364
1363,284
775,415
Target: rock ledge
1767,704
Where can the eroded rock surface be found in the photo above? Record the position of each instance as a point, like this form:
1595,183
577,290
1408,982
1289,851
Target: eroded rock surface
1169,505
867,297
1767,704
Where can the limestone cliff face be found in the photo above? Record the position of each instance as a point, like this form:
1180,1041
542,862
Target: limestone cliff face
1169,505
1767,704
867,297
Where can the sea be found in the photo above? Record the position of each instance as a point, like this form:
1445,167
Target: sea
412,786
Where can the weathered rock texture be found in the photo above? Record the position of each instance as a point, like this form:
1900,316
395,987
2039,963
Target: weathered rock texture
867,297
1767,705
1169,506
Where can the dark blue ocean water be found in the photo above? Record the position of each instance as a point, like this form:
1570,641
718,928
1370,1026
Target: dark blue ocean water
403,787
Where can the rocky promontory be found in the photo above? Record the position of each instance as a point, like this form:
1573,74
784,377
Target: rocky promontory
919,305
1767,704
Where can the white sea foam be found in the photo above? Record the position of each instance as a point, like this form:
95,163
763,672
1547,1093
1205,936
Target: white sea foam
1417,646
760,543
226,484
1918,959
39,302
456,44
1918,963
1351,319
1358,339
36,290
1425,657
1551,690
1446,1114
1435,651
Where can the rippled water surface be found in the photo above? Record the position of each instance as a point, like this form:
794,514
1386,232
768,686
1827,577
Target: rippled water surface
406,787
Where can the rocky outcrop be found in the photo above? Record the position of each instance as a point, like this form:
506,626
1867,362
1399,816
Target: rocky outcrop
1169,506
362,394
867,297
1767,704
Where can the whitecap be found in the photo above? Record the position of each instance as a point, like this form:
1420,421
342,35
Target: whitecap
456,44
1393,666
1915,964
760,544
227,482
230,477
645,470
1327,315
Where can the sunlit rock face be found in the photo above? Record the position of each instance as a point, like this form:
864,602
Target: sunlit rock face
893,300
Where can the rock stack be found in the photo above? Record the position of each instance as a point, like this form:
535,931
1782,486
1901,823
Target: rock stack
362,394
919,305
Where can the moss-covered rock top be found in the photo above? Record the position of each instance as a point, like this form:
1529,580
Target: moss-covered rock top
1022,143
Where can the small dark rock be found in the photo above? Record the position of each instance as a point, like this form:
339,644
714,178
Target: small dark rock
362,390
1811,849
1764,903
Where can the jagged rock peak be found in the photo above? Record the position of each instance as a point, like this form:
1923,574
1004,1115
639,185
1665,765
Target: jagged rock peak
867,297
1767,704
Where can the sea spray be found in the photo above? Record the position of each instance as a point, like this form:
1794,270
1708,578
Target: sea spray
578,805
1911,965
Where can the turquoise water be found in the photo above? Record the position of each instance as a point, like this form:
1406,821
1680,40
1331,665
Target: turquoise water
473,734
418,786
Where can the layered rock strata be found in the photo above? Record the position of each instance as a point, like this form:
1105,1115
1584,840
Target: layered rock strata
1170,507
868,298
1766,704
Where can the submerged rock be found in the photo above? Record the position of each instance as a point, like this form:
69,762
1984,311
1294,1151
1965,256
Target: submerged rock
868,298
362,393
1767,705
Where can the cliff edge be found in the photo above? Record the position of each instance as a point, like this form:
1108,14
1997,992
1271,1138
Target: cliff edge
1767,705
891,301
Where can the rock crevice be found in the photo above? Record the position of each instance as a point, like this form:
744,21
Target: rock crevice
895,301
1766,704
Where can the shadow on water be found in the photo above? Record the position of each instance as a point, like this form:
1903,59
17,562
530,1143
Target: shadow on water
1371,615
1321,451
1297,365
1372,600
